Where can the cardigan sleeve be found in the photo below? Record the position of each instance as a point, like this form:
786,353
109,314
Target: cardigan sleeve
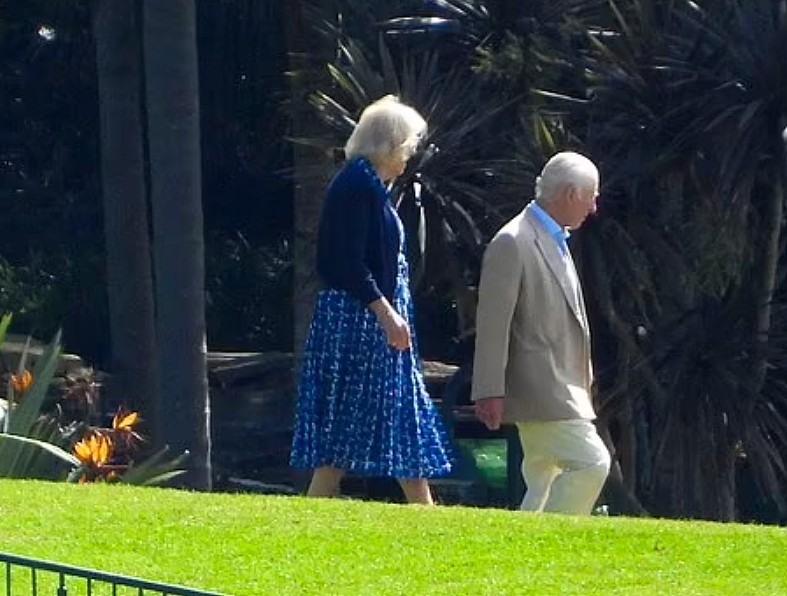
347,215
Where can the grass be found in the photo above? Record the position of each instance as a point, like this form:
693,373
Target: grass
252,545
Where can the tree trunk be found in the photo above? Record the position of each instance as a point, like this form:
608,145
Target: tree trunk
765,280
129,276
178,243
727,495
308,190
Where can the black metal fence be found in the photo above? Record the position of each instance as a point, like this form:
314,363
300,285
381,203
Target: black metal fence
22,576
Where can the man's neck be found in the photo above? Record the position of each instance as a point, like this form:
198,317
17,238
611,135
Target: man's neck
551,211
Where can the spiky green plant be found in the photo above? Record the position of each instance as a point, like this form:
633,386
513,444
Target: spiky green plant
35,445
686,111
25,448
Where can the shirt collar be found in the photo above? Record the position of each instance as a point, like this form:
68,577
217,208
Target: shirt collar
558,232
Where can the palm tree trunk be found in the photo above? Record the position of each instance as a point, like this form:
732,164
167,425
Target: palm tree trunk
129,270
728,484
308,190
765,279
765,286
178,243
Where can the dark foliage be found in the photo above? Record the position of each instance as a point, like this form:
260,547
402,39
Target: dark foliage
686,110
51,242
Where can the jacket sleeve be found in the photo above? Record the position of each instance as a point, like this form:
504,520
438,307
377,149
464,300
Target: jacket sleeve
498,294
348,213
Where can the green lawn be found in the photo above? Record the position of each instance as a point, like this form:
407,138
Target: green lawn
253,545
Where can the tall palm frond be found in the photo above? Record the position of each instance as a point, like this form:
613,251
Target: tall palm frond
686,111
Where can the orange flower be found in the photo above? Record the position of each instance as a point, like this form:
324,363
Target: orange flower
125,422
123,427
103,450
94,451
82,451
22,382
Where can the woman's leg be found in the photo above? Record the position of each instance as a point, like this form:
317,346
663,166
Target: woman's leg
325,482
417,491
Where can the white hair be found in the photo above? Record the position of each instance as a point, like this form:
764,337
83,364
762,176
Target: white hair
562,170
386,127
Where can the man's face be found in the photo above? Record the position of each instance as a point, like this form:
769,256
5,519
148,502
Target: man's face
580,203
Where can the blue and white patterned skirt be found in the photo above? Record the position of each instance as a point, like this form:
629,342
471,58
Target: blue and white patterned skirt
363,406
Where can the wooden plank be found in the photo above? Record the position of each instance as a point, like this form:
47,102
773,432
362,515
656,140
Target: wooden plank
225,370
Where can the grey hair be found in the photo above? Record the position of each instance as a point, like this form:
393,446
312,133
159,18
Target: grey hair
386,127
562,170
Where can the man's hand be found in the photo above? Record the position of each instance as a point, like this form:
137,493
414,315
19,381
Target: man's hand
489,410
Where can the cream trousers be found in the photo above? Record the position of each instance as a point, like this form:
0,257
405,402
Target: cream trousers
565,465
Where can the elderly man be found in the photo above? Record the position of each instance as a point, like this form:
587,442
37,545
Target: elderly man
532,360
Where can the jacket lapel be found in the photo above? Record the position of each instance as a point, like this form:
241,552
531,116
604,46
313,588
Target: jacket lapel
581,313
551,254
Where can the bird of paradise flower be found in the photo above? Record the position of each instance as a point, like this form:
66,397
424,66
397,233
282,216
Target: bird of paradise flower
98,451
22,382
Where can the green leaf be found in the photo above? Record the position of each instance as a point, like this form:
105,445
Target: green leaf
5,321
543,134
22,456
29,409
156,469
15,449
559,96
347,82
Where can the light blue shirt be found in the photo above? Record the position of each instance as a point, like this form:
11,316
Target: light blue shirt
559,233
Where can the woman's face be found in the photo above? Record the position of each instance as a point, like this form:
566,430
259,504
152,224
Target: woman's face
398,162
393,166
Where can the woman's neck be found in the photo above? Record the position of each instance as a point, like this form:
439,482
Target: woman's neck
382,170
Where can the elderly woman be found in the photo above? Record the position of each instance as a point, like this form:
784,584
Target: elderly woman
362,405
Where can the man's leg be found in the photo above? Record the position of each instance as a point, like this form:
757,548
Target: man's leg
538,466
584,460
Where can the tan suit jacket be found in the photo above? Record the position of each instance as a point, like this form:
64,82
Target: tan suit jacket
532,335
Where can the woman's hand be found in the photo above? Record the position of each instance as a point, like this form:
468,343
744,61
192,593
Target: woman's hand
396,328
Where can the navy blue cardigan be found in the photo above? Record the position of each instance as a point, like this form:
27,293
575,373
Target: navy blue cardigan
358,243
